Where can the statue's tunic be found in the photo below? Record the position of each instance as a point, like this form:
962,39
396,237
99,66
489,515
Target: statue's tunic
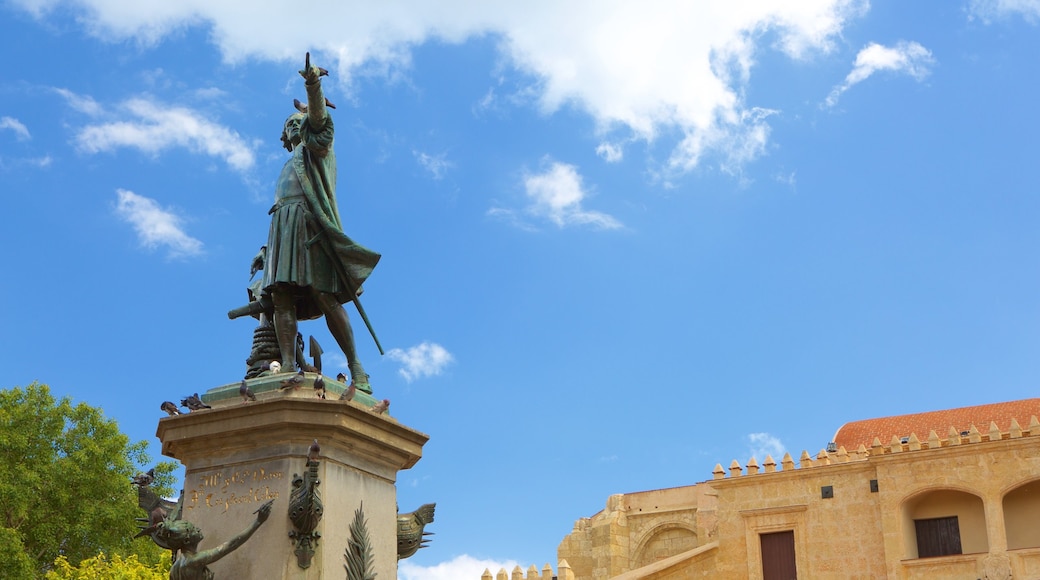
306,246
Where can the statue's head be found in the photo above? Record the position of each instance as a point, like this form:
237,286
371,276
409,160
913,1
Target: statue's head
291,131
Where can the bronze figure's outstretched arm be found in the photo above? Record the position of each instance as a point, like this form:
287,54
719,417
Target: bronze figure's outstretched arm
191,565
207,557
315,96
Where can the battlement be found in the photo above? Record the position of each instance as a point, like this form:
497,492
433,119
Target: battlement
911,443
532,573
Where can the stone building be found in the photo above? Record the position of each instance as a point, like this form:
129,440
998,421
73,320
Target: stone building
926,495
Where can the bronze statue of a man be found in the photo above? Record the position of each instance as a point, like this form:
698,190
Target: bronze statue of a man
311,268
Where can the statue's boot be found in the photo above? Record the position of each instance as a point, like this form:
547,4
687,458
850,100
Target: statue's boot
285,328
359,377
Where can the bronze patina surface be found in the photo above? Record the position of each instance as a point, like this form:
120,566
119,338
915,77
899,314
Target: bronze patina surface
310,266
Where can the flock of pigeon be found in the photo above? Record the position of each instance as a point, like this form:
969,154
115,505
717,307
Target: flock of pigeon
294,382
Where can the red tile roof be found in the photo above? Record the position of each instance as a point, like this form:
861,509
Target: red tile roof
851,435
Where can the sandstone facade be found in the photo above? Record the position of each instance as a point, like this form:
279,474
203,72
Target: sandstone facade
869,513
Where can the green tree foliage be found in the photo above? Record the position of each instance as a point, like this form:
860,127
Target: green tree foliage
102,567
65,488
14,562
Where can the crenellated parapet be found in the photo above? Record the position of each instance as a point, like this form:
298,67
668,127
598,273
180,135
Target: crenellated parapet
911,443
853,509
532,573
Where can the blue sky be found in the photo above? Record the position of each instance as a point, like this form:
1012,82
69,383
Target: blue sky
622,242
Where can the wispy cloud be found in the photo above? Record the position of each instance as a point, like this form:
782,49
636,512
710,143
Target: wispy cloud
787,178
671,68
989,10
40,162
15,163
510,216
905,57
557,194
485,103
154,225
463,566
12,124
425,360
154,127
437,165
610,152
762,444
83,103
210,93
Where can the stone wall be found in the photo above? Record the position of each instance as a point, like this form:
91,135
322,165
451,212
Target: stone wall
638,529
852,513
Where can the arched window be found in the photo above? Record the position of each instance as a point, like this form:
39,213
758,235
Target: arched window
1021,514
944,522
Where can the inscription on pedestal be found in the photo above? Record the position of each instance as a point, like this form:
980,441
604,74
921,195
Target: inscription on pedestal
220,490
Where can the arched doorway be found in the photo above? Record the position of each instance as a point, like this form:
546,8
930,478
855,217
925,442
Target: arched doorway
944,522
1021,514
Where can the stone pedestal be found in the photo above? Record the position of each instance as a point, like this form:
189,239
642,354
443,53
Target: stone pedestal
238,455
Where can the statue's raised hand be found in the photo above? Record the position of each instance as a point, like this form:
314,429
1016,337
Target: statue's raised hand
264,511
312,73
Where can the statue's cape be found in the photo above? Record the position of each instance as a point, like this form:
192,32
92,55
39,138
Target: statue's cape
315,165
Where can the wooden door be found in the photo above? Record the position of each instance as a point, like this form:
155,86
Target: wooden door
778,556
938,537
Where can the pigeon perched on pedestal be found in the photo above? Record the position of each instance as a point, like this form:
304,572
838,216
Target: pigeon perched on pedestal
194,403
319,386
293,382
313,451
381,406
170,408
246,392
348,394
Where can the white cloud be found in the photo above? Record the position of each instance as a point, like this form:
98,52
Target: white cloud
989,10
82,103
512,217
762,444
557,195
41,162
786,178
153,127
486,103
154,225
905,57
437,165
425,360
610,152
662,67
464,567
20,130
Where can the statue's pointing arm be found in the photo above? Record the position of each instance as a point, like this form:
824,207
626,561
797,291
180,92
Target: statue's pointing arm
316,113
214,554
